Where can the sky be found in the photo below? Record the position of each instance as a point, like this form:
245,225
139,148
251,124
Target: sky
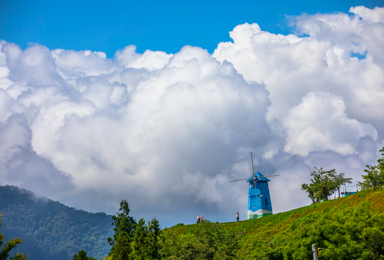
155,25
161,103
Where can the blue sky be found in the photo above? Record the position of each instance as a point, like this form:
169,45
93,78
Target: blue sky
167,132
156,25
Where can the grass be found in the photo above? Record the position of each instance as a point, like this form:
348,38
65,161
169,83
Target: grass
281,224
273,236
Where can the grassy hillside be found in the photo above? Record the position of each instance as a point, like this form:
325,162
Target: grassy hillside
346,228
51,230
350,228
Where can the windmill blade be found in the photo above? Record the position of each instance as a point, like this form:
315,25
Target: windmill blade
253,168
240,180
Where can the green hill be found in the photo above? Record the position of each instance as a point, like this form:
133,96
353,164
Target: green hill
347,228
51,230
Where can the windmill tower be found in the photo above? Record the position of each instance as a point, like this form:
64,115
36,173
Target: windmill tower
259,199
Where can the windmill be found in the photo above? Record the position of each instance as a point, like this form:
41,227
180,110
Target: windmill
259,200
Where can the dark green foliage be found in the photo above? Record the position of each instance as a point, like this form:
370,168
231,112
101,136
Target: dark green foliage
346,228
124,232
146,240
51,230
380,161
152,239
4,251
205,240
82,255
133,240
123,247
324,184
139,242
375,174
346,232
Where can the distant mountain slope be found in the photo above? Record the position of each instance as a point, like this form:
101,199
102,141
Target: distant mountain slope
51,230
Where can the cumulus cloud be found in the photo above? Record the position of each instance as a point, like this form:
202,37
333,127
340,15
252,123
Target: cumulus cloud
167,131
374,15
319,123
292,66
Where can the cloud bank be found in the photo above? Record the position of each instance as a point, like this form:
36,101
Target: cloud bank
167,131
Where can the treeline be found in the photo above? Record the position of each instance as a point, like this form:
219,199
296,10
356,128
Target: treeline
134,240
144,240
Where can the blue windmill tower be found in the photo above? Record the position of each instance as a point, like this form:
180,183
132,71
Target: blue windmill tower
259,199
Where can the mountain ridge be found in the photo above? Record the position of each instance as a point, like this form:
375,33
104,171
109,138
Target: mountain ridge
50,229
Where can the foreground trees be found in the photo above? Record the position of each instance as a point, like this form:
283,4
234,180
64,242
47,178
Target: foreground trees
205,240
124,232
348,231
133,240
82,255
323,184
4,252
145,244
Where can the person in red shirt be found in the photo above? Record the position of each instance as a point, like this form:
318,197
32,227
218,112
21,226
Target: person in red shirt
201,218
238,216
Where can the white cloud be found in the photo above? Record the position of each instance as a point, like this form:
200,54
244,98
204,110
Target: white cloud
374,15
292,66
75,64
319,123
167,131
34,66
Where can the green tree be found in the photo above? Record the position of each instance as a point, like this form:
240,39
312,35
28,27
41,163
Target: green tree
139,242
310,189
323,184
381,161
375,174
123,247
4,251
82,255
124,231
152,239
146,240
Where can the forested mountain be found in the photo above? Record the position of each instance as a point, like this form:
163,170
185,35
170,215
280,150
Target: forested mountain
51,230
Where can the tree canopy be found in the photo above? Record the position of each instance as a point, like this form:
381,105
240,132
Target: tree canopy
323,184
124,233
146,240
82,255
375,174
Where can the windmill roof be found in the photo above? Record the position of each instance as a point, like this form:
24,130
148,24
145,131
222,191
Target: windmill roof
261,177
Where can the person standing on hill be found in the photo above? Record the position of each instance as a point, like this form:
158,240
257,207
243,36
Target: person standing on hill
201,218
198,219
237,216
